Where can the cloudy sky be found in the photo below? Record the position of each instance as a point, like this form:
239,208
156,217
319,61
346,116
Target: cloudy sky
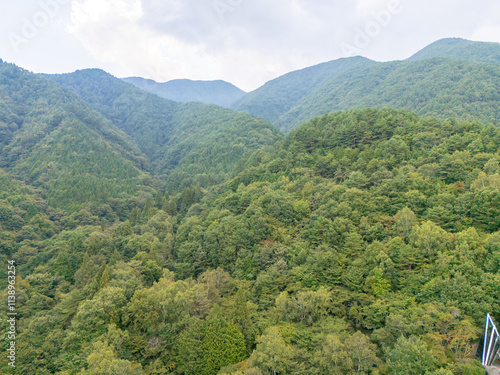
246,42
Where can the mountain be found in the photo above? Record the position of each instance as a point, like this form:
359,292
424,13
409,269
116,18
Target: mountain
280,95
149,236
366,241
184,90
451,78
53,140
437,87
456,48
186,143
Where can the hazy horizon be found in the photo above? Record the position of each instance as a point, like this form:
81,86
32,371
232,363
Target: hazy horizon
238,41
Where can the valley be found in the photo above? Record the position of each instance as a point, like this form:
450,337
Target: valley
340,219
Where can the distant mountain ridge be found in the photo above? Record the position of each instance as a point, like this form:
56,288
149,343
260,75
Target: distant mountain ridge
438,87
281,94
52,138
217,92
457,48
453,70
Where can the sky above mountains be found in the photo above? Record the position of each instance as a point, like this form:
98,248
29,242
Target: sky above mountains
245,42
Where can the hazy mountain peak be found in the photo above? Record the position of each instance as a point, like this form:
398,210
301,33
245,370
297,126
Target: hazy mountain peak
185,90
486,52
456,69
278,96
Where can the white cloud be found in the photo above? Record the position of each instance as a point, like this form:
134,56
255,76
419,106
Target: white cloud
488,28
111,32
367,6
246,42
487,32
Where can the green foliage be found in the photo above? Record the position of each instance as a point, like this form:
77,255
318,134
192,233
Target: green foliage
186,143
222,345
59,144
272,355
450,78
366,242
461,49
103,361
280,95
409,356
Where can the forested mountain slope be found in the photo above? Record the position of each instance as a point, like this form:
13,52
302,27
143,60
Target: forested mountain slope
191,143
51,139
365,242
280,95
450,78
184,90
457,48
443,88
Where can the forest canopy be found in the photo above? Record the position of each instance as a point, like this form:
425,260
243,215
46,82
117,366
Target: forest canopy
366,241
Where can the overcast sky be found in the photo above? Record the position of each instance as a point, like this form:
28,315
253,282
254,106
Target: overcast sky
245,42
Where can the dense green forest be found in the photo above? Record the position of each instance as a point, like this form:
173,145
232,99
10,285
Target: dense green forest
486,52
51,139
163,238
364,242
280,95
450,78
186,143
437,87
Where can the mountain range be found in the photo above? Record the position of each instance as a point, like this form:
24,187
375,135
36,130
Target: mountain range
450,78
449,70
341,219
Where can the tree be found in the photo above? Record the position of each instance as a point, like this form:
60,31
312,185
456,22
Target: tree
151,271
306,307
361,352
272,355
379,285
357,180
94,315
430,238
223,344
409,357
333,358
405,219
105,277
104,361
189,351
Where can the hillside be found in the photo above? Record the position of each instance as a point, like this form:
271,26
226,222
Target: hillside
365,242
218,92
439,87
456,48
187,143
450,78
280,95
154,237
53,140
